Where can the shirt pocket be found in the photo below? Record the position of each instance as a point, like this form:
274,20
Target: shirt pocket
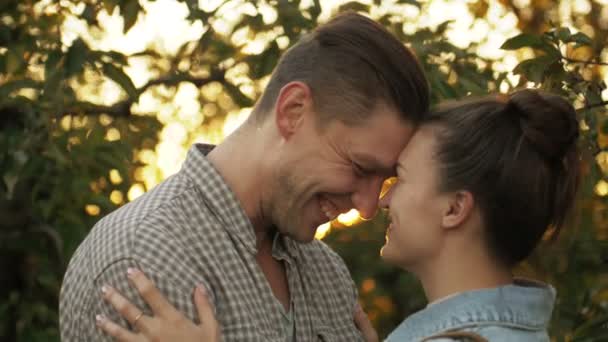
342,333
324,334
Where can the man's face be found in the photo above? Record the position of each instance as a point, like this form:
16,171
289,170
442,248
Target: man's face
326,172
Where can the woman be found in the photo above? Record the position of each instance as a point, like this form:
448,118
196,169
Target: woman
478,186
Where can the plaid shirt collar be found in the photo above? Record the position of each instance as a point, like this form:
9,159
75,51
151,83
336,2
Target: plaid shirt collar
223,202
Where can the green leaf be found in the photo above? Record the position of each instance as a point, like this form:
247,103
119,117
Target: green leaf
580,39
563,33
129,11
522,40
410,2
587,328
315,10
9,87
5,35
237,96
76,57
90,14
119,76
52,64
263,64
534,69
472,86
116,57
205,41
440,30
198,14
13,62
605,127
353,6
110,5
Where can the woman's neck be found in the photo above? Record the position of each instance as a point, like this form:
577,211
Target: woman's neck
451,275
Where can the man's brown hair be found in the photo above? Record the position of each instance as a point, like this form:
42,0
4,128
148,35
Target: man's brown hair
351,64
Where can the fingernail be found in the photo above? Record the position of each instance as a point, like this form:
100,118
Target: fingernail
201,289
100,319
131,272
105,289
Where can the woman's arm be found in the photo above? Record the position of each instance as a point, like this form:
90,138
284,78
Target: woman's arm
168,324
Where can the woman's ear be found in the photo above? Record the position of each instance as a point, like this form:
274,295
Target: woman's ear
458,210
292,103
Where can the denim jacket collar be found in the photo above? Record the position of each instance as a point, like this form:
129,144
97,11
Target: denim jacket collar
525,304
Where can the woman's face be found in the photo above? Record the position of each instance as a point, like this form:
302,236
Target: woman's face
415,204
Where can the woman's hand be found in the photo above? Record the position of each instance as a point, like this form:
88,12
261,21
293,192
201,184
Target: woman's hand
167,324
365,325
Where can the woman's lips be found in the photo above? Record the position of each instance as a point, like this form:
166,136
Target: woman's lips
389,230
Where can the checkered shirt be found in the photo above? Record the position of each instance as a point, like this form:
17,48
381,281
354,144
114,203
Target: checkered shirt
191,230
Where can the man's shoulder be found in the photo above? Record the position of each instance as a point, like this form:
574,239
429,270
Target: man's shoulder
158,225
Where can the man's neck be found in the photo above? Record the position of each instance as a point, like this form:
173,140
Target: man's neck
238,161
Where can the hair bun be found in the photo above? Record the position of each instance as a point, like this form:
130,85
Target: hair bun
548,121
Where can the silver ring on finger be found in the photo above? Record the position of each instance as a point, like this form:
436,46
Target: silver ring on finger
141,313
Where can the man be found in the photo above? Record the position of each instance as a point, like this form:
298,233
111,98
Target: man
240,218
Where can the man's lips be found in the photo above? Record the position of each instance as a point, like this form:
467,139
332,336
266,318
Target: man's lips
329,208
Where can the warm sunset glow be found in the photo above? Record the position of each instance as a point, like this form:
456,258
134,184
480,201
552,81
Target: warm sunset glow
602,161
135,191
92,209
323,230
601,188
115,177
116,197
349,218
187,119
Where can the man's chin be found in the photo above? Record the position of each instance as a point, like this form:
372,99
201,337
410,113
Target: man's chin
303,235
303,238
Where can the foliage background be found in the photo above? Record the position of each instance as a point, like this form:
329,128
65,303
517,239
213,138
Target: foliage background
86,125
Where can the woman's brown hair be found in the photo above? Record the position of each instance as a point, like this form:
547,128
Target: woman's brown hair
517,154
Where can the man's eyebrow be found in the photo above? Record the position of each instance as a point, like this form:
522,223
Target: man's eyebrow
375,165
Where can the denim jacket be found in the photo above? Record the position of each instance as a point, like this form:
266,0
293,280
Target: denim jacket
516,312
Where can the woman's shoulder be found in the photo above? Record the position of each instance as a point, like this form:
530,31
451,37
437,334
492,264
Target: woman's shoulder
494,333
507,313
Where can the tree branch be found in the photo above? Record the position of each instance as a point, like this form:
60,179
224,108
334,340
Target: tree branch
573,60
123,108
594,105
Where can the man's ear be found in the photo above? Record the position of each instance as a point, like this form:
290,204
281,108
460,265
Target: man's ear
293,102
458,209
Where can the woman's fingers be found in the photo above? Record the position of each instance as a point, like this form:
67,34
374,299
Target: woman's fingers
119,333
153,297
206,315
365,325
166,323
203,306
126,309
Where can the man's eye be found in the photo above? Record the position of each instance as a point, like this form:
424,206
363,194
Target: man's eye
359,170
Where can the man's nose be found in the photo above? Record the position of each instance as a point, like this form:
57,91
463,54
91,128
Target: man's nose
366,198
